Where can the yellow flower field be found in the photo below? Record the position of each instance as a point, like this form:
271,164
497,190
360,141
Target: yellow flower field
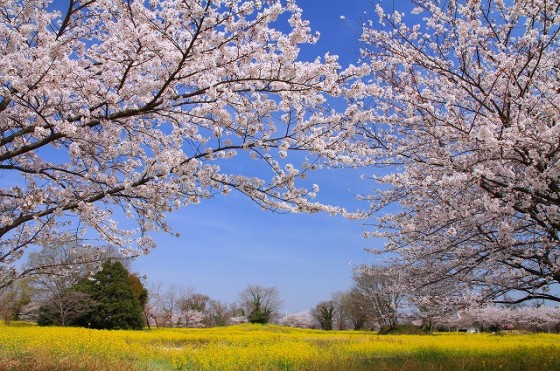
256,347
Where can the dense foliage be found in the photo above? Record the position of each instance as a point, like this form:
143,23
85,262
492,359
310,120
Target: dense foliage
116,305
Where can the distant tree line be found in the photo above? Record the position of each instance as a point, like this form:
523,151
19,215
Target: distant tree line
93,288
380,300
112,298
184,307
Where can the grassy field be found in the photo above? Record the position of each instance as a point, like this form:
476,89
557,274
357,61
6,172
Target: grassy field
255,347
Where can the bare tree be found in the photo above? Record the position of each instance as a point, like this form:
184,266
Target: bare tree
356,309
176,306
324,313
341,315
219,313
13,298
67,260
64,306
260,304
161,306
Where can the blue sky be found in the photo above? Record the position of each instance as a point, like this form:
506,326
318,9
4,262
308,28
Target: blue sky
228,242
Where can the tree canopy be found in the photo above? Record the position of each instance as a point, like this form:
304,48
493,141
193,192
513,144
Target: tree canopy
464,102
112,109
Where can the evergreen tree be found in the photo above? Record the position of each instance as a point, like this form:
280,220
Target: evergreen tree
259,315
117,305
141,293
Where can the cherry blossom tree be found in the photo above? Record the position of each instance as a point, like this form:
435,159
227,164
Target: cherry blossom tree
494,318
161,308
112,109
442,300
300,320
542,318
192,308
464,101
381,294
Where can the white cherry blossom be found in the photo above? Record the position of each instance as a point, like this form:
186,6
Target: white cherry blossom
464,102
132,108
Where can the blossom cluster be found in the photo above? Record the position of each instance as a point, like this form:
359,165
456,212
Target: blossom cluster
134,108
